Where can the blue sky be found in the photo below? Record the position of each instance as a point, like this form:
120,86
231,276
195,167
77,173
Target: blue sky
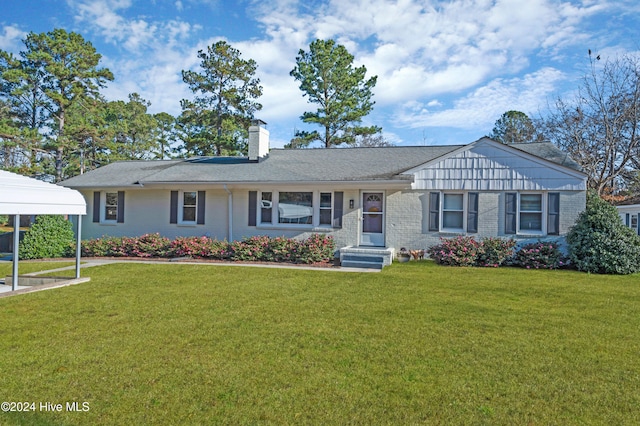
447,70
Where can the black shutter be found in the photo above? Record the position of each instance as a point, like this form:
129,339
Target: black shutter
253,206
434,211
201,204
511,205
173,212
337,209
96,207
120,215
553,215
472,213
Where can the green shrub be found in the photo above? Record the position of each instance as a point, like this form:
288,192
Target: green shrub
49,236
600,243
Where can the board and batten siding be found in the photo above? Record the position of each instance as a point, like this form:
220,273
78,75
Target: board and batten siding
486,167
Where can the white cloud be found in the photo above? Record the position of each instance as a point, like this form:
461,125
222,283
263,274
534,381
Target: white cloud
426,54
136,35
483,106
11,38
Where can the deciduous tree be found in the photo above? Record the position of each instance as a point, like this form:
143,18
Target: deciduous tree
599,128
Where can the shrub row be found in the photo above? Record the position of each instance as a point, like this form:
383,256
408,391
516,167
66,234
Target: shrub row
316,248
494,252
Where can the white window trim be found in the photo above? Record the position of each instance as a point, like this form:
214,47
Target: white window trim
465,211
181,220
315,221
103,208
544,213
441,211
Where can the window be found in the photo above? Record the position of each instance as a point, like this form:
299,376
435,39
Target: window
266,207
293,208
187,207
108,207
453,212
531,212
111,206
325,208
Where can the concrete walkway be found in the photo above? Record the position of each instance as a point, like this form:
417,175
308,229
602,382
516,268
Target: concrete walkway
5,290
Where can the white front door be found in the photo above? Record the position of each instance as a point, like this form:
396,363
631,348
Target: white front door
372,233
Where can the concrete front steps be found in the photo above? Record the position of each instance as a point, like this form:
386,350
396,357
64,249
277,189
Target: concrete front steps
366,257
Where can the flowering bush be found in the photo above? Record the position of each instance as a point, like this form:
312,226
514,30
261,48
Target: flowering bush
540,255
316,248
458,251
148,245
200,248
494,251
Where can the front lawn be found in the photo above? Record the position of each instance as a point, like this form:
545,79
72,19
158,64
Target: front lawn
415,344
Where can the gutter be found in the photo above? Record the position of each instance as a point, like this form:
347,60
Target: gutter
400,181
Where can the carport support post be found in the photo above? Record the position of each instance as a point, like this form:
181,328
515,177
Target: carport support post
78,227
16,241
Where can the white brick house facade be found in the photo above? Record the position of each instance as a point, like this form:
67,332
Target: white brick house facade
376,197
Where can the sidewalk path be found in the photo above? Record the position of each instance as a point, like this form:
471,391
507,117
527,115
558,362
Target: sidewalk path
5,290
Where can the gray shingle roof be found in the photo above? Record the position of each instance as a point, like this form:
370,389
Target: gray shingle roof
303,165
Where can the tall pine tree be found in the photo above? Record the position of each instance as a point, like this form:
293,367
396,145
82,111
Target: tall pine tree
327,77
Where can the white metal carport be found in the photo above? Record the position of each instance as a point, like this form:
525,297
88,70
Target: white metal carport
21,195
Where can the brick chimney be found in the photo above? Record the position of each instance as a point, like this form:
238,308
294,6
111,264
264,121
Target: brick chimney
258,141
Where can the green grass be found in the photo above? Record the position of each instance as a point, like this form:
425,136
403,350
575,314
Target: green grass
415,344
27,267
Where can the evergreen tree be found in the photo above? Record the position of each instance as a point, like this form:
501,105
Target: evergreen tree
69,65
216,121
327,77
514,127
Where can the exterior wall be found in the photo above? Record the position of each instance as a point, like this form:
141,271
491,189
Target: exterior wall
627,214
146,211
407,218
345,236
406,222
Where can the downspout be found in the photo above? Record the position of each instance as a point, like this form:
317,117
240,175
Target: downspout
78,245
230,212
16,244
